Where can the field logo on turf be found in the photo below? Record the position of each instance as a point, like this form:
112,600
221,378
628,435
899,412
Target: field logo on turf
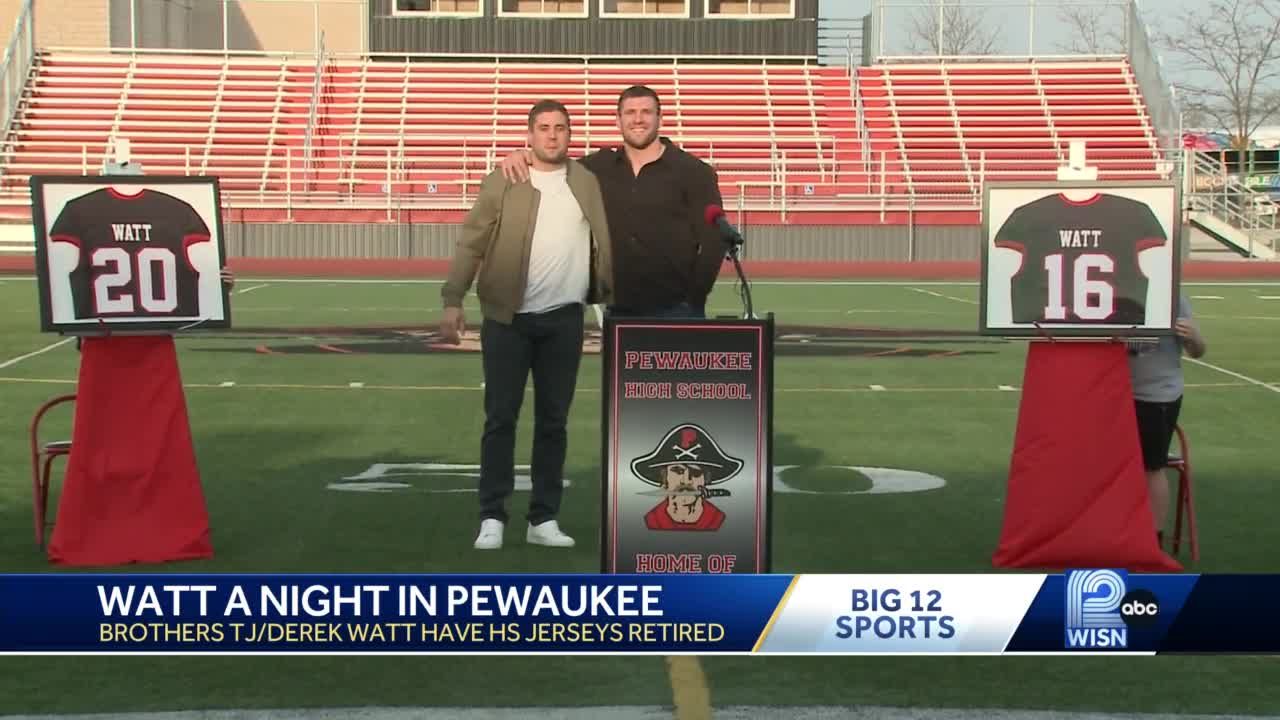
798,340
438,478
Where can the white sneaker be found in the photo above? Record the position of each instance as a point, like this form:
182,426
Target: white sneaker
490,537
549,534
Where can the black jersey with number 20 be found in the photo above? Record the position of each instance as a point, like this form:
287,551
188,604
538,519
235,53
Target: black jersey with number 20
1080,259
133,254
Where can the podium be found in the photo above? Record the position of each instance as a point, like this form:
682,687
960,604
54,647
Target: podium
687,445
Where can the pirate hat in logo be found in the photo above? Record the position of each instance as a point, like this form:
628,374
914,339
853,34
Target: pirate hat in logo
687,444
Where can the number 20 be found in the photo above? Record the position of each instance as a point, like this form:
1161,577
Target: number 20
153,299
1086,289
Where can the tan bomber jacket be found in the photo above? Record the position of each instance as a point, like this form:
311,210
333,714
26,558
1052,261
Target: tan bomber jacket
498,234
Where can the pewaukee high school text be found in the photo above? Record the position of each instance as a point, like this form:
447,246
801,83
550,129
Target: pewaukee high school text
674,360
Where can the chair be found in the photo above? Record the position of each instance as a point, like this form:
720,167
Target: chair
42,457
1180,462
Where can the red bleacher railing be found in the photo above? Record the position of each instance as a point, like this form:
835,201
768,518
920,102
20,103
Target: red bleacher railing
295,131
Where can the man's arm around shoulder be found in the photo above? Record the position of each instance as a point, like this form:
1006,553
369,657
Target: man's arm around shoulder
599,221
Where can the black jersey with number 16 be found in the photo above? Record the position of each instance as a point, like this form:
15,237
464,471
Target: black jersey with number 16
1080,259
132,254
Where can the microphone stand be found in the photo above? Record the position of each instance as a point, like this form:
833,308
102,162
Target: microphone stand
745,290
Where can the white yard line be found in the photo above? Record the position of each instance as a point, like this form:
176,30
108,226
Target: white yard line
251,289
945,297
14,361
1237,375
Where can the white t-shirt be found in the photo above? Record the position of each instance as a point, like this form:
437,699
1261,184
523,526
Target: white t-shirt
560,259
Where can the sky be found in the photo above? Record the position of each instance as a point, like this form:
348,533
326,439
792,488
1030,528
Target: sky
1048,33
1014,16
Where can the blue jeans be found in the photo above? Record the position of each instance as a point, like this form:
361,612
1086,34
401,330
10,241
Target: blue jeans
679,310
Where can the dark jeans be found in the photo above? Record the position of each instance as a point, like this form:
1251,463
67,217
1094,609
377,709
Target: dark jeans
550,345
679,310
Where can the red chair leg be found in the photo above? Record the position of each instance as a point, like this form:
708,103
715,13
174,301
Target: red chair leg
39,481
1179,505
44,493
37,505
1191,520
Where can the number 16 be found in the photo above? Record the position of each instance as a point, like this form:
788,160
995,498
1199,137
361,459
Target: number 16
1085,289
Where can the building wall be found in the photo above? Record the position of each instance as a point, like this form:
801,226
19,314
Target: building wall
355,26
65,23
594,35
8,14
251,25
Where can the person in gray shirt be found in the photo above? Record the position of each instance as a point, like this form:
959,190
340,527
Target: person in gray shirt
1155,369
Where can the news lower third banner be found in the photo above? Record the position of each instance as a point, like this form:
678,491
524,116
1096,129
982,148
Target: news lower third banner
697,614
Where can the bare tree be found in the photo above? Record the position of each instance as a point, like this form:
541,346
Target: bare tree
1232,73
1093,29
943,27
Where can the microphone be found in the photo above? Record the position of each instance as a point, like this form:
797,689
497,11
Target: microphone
714,215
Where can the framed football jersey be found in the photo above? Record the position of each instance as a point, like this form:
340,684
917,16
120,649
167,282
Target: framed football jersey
1079,259
129,253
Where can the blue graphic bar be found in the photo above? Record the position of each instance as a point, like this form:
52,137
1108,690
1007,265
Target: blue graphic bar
383,613
1080,612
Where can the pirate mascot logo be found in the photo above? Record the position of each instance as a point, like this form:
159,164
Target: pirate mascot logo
683,466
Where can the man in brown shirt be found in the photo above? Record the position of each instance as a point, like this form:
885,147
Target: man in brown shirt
541,250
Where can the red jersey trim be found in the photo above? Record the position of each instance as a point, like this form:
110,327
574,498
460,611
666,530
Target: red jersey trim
66,239
121,196
1149,242
187,242
1078,203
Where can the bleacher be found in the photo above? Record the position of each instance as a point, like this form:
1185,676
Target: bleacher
425,133
239,119
944,129
420,128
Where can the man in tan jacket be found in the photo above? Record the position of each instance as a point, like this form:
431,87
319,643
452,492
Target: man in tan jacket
541,249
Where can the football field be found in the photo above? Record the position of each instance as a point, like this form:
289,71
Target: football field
334,435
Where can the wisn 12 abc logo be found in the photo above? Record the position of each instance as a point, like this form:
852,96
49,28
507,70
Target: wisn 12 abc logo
1101,609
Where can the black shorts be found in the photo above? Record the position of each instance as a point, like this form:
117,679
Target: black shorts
1155,431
